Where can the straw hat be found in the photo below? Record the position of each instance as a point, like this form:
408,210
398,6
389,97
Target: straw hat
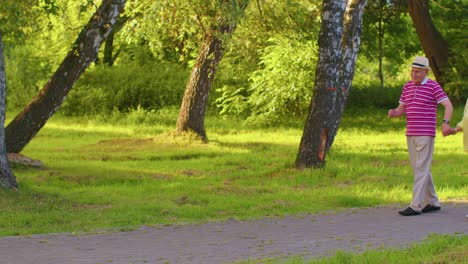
421,62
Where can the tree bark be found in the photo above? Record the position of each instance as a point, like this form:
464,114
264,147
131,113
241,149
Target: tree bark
7,178
192,111
339,42
381,36
432,42
109,56
84,51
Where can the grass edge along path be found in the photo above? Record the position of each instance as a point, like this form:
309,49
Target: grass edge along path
451,249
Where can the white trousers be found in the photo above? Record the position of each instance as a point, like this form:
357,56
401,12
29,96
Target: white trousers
420,149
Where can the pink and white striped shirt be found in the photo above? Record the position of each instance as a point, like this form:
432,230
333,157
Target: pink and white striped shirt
421,106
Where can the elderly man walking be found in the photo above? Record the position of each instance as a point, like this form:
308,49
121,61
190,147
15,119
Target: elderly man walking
418,101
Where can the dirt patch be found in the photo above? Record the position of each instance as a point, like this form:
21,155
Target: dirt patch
310,236
16,159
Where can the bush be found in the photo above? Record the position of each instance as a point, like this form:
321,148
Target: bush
374,96
26,74
280,88
149,86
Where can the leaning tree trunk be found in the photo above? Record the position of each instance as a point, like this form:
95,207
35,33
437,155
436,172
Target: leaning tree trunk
85,50
432,42
192,111
339,43
7,178
194,103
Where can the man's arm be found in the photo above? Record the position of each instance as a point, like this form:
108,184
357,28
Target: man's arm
446,129
400,110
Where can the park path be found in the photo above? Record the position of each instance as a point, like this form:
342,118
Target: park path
309,236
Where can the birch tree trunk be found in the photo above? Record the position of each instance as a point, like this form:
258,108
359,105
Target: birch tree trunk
192,111
84,51
7,178
339,41
432,42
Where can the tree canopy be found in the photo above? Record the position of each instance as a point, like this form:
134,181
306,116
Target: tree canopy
38,34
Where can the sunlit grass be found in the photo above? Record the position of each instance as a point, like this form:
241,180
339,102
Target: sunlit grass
437,249
103,174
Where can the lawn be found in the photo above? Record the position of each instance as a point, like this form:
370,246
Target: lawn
128,172
439,249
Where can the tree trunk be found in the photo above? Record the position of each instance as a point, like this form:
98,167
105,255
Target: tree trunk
339,42
192,111
434,46
381,36
85,50
109,56
194,103
7,178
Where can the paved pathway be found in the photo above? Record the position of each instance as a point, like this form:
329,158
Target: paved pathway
310,236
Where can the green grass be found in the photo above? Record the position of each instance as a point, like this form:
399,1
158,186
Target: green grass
440,249
123,174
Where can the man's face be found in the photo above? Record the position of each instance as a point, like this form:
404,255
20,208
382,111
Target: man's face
418,74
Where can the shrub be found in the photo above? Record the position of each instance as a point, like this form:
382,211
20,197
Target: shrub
374,96
280,88
149,86
26,74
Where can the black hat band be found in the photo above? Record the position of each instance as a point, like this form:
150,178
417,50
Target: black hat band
420,65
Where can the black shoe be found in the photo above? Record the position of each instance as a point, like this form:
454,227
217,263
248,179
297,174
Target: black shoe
430,208
408,212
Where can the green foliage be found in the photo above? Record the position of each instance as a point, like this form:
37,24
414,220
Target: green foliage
49,27
366,73
267,72
243,85
25,75
50,6
123,87
286,17
40,33
449,16
366,90
173,30
18,19
167,28
371,96
63,27
280,88
399,36
389,22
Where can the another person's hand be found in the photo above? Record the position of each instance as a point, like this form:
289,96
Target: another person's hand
453,131
456,130
446,129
